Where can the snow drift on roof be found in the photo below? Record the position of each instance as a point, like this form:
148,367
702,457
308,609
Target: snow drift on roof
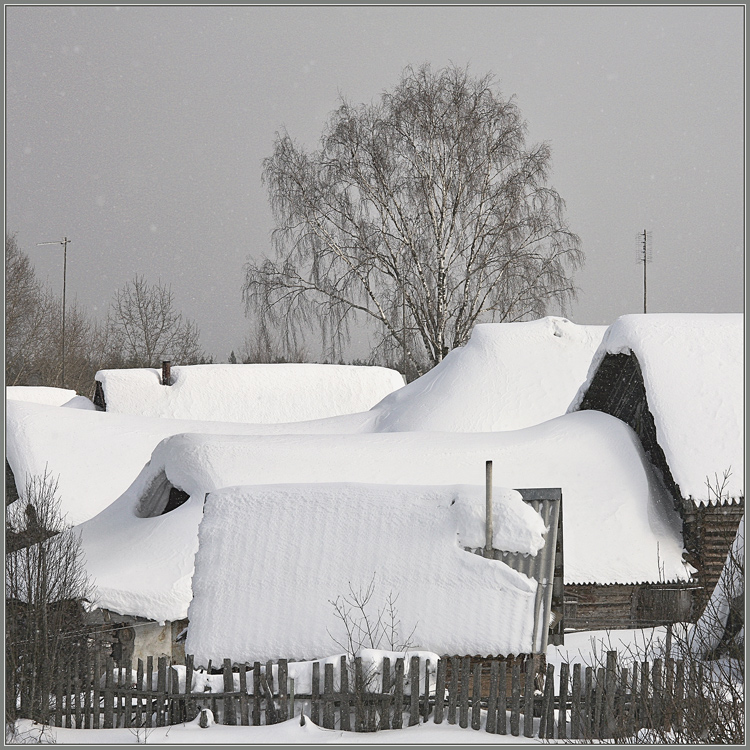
272,559
692,366
39,394
619,525
507,377
249,393
95,456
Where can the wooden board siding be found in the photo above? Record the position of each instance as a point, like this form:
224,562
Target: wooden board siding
599,607
617,389
712,529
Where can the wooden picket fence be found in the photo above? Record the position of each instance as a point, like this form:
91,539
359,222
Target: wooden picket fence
608,702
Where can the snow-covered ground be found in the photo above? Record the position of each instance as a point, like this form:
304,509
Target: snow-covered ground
287,733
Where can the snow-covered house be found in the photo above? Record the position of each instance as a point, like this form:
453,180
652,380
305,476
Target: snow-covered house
677,380
618,523
257,393
273,560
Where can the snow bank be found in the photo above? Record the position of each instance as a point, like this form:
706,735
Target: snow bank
272,559
692,367
249,393
39,394
507,377
618,523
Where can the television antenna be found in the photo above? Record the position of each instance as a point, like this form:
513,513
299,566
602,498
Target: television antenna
645,256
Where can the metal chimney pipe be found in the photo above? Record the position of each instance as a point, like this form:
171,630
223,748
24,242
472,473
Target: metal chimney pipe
488,513
166,372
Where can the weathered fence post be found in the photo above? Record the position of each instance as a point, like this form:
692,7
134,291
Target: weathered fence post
229,716
632,720
463,693
59,698
622,705
442,666
257,691
610,687
599,704
453,690
644,704
385,689
359,696
344,716
476,696
328,716
562,711
161,689
87,686
150,692
426,712
139,690
588,695
414,695
491,724
282,687
515,700
575,704
528,699
398,695
502,686
547,713
679,694
109,695
657,688
244,708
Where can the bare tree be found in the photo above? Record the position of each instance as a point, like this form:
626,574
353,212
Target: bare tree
424,213
146,326
45,586
29,312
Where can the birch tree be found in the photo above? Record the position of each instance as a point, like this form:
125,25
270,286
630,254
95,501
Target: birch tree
424,212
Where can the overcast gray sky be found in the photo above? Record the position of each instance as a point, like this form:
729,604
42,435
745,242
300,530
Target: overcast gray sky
139,133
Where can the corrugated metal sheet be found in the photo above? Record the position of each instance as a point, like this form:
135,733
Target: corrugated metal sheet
540,567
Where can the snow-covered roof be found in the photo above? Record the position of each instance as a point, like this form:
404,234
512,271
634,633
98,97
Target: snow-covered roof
39,394
507,377
95,456
619,525
248,393
271,560
692,366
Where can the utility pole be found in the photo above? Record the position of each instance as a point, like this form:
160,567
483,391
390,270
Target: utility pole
644,256
64,242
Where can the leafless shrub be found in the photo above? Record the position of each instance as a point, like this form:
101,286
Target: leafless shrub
368,626
45,586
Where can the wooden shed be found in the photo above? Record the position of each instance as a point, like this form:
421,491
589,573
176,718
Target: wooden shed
677,381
